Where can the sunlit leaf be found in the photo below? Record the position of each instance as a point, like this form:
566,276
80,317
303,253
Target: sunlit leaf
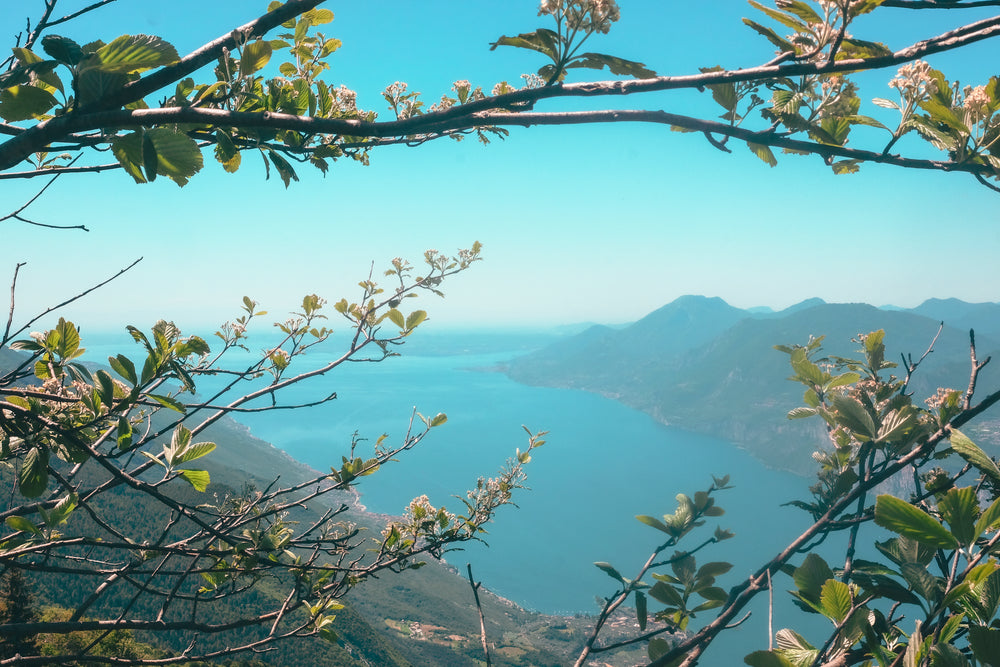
901,517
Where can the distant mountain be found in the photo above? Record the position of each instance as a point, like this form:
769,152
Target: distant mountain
596,358
705,366
983,317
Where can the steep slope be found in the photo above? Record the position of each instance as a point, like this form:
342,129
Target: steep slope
610,361
734,385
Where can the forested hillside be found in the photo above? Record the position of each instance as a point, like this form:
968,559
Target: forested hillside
702,365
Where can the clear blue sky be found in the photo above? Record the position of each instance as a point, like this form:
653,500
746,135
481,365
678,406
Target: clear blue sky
591,223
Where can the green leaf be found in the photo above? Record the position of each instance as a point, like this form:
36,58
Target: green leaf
885,104
666,594
133,53
608,569
195,451
199,479
396,318
763,152
439,419
959,508
767,659
415,318
543,40
616,65
124,367
20,523
783,44
969,451
33,476
318,16
255,56
178,155
149,159
901,517
835,598
63,49
285,170
654,522
985,643
781,17
640,609
169,402
58,514
852,415
811,576
859,48
127,149
801,10
124,433
26,102
988,519
841,167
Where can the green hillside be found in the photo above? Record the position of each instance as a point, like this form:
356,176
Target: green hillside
702,375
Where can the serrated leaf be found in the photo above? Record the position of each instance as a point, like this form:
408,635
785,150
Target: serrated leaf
616,65
841,167
985,643
63,49
810,577
415,318
781,17
884,103
396,318
969,451
543,40
25,102
178,155
835,598
195,451
905,519
852,415
859,48
609,570
33,475
199,479
783,44
763,152
959,508
133,53
988,519
255,56
169,402
285,170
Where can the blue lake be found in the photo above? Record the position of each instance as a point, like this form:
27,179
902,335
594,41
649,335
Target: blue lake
603,464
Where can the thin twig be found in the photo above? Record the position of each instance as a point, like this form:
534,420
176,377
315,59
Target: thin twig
10,313
482,618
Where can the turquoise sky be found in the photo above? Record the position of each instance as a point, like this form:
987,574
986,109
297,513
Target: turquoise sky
591,223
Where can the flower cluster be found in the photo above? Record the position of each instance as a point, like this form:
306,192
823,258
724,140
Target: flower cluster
839,97
914,81
347,99
587,16
533,81
977,102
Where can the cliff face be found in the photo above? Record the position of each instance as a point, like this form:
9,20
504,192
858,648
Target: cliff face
705,366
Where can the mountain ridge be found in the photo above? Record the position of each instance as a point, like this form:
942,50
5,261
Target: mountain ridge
717,372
